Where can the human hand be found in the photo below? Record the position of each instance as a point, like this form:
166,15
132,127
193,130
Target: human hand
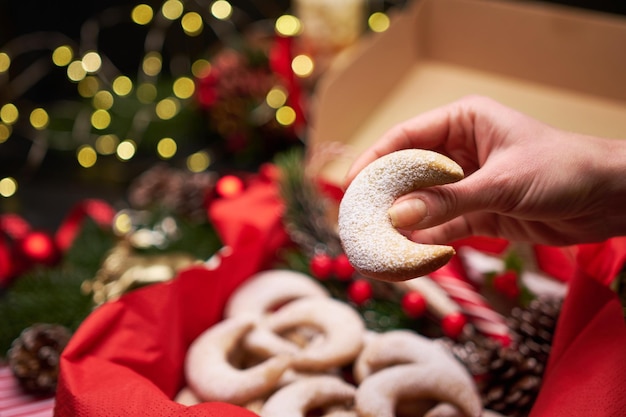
525,180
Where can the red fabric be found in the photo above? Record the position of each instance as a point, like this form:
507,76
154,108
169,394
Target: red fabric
127,357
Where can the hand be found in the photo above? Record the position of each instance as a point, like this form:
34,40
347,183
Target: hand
524,180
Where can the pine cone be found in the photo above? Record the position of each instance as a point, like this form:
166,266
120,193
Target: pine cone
509,378
34,357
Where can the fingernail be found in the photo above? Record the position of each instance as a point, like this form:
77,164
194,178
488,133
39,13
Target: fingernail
408,212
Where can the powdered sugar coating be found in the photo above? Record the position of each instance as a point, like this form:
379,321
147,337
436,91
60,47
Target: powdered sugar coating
372,244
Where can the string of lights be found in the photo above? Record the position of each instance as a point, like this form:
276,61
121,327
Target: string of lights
115,111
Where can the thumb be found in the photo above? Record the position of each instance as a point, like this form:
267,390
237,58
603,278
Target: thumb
433,206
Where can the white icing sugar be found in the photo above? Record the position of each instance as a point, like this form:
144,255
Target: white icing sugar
369,239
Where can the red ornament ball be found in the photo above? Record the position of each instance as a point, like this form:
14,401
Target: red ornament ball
321,266
506,283
342,267
452,325
39,247
360,291
413,304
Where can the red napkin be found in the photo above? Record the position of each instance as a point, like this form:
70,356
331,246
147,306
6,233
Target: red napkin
127,357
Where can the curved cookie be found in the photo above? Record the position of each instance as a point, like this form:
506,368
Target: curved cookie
373,246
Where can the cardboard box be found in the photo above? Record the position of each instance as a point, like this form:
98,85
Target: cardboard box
562,65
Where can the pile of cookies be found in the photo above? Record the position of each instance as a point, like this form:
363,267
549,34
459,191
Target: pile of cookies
286,348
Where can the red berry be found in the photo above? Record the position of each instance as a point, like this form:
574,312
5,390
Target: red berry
321,266
39,247
414,304
506,283
452,325
360,291
342,267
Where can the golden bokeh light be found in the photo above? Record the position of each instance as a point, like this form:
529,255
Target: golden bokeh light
126,149
302,65
8,186
5,132
88,86
86,156
192,23
122,223
5,62
142,14
184,87
122,85
200,67
378,22
152,63
9,113
167,108
103,100
172,9
198,162
286,116
91,62
76,71
288,25
276,97
100,119
166,148
107,144
221,9
146,93
62,55
39,118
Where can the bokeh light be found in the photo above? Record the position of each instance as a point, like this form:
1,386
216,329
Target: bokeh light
142,14
192,23
286,116
221,9
88,86
172,9
198,162
378,22
39,118
167,108
100,119
122,85
103,100
126,149
166,148
229,186
107,144
184,87
76,71
8,186
5,132
9,113
62,55
91,62
86,156
288,25
152,63
146,93
200,67
302,65
5,62
276,97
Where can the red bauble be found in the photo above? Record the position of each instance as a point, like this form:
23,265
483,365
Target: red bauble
506,283
229,186
452,325
414,304
39,247
360,291
342,267
321,266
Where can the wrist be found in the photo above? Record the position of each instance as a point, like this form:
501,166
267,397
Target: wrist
612,182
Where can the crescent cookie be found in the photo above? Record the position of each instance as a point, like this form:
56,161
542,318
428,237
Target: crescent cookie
373,246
